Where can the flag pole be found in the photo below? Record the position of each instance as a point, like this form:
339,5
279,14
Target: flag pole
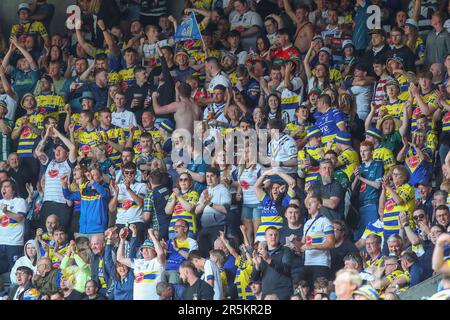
201,37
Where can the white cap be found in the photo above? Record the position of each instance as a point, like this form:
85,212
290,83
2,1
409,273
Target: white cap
347,43
411,22
327,50
23,6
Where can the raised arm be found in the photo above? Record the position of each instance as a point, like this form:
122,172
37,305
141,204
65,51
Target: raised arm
25,53
161,254
89,48
290,11
108,38
69,144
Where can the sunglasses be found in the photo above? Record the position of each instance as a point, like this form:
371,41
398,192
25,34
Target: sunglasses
183,179
128,172
419,217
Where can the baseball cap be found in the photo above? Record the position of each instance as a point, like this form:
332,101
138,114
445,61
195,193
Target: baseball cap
396,58
347,43
87,95
23,6
392,82
374,132
318,37
29,94
326,50
147,244
343,137
380,32
181,52
47,77
167,125
313,131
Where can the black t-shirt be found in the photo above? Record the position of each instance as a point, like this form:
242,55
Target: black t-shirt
333,189
338,254
75,295
203,291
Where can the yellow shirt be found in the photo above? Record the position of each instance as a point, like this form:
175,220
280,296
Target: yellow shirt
348,161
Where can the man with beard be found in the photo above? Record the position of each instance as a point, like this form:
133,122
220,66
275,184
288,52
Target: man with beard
197,289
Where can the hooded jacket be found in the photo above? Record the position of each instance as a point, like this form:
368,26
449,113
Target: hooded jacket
25,261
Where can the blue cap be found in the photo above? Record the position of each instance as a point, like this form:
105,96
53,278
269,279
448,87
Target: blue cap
147,244
374,132
343,137
313,131
167,125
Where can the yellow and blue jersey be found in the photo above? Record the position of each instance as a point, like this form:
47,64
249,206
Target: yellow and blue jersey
179,213
50,104
242,279
30,28
28,137
297,130
314,155
419,169
348,161
385,155
270,217
127,77
392,209
429,99
394,109
116,135
87,141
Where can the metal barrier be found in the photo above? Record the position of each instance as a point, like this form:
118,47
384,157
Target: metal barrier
425,289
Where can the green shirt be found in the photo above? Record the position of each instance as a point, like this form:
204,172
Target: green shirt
393,141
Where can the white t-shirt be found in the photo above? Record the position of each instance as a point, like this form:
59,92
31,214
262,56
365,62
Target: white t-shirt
247,20
11,105
123,119
283,149
213,272
53,189
147,274
316,234
247,181
11,231
127,209
220,78
217,109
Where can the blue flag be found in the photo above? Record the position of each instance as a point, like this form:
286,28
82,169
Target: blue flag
188,29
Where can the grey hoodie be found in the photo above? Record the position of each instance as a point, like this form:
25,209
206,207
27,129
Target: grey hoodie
25,261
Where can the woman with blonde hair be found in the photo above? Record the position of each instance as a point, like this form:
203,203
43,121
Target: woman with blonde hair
347,104
414,41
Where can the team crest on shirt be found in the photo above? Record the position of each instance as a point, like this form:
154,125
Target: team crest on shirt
363,187
86,149
53,173
447,117
417,112
5,221
109,149
26,132
126,204
139,147
390,205
413,162
139,277
245,185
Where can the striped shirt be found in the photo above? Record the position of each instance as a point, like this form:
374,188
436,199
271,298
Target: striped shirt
428,7
317,231
53,173
5,141
153,8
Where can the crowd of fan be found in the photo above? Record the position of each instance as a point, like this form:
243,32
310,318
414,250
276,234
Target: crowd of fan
290,153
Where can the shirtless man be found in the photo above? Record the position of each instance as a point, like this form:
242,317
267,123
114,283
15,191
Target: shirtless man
305,31
186,111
